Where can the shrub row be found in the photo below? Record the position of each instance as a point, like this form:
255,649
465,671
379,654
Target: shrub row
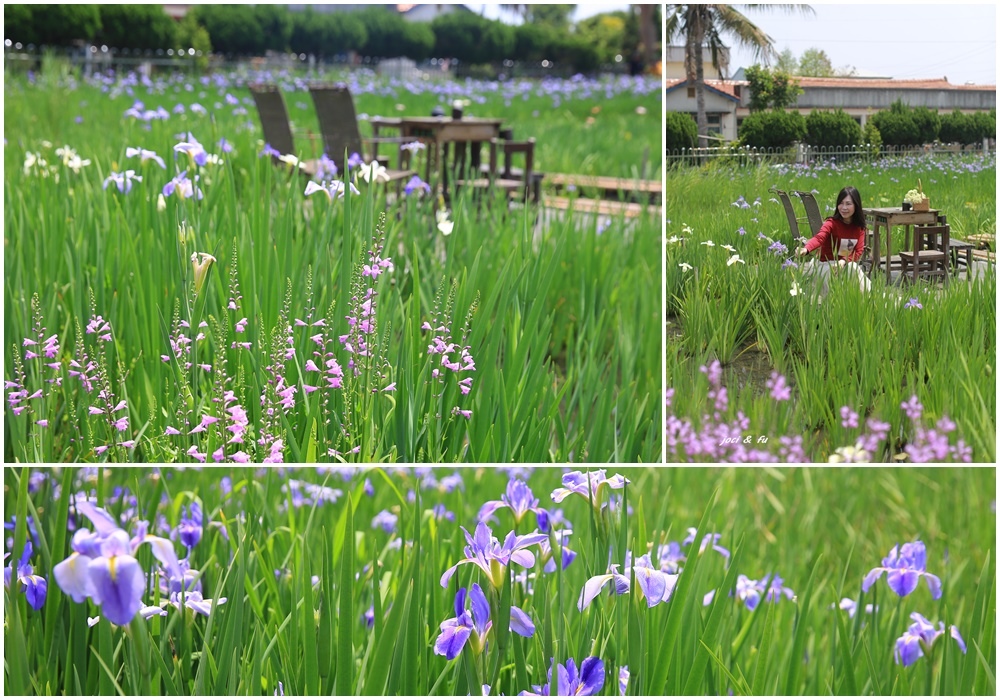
830,129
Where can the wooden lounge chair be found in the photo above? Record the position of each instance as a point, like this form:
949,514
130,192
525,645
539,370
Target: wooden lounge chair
277,129
813,215
338,124
786,202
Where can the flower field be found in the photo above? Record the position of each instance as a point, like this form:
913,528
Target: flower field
345,580
761,369
172,296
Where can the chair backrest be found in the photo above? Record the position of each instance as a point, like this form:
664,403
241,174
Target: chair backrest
338,122
932,237
273,118
813,214
786,202
527,149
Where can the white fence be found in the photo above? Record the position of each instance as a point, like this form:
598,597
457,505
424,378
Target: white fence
803,154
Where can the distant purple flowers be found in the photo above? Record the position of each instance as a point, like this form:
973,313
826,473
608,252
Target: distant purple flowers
904,567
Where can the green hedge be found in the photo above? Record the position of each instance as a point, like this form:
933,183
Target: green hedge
831,129
681,131
772,129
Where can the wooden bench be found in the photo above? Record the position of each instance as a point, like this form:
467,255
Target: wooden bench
982,240
607,187
601,206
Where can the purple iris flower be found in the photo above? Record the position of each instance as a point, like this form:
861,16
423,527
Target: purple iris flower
656,586
546,555
485,551
116,579
183,186
475,625
416,184
190,529
385,520
584,484
354,160
588,680
709,539
919,639
269,151
905,566
35,587
748,591
194,149
520,500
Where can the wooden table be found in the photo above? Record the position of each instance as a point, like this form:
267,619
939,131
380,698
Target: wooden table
884,219
439,132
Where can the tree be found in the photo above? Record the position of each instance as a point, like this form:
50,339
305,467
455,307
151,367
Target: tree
649,26
607,33
18,23
815,63
137,27
704,25
555,16
774,89
787,62
59,25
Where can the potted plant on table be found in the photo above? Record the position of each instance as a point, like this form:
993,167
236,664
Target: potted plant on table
916,199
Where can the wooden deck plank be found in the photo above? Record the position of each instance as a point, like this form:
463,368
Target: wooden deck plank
601,206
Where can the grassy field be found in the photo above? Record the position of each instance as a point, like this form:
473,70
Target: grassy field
325,329
330,581
822,378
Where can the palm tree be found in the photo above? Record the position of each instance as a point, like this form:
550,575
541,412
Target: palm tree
705,24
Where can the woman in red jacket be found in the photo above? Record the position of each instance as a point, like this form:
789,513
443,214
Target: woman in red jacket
842,236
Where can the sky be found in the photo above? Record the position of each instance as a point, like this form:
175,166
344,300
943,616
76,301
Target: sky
912,40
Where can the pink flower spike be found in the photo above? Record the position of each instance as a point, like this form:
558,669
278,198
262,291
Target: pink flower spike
311,366
119,407
240,457
128,444
309,389
18,410
219,455
391,387
36,395
171,430
193,452
100,449
43,423
425,326
94,411
300,322
30,355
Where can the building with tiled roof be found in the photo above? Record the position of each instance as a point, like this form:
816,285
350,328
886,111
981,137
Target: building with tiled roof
726,101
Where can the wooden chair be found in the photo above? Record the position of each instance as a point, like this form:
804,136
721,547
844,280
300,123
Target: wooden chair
786,202
505,179
338,125
928,258
276,126
813,215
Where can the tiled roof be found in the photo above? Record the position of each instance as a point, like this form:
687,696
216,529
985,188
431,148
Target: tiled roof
727,87
887,83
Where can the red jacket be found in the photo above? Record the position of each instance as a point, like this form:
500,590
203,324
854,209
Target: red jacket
848,240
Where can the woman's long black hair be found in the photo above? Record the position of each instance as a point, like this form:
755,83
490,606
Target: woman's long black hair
859,214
